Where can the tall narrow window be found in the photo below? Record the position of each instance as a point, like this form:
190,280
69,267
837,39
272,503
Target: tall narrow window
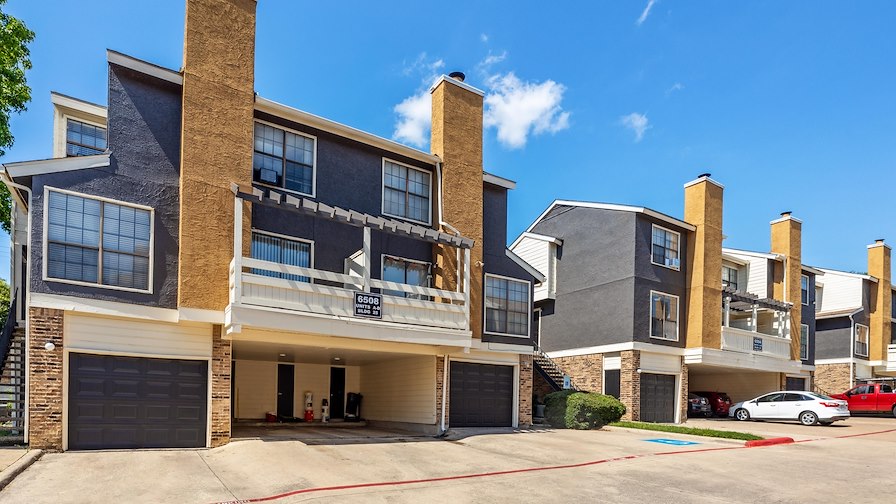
82,139
804,289
663,316
664,247
282,251
283,159
804,342
406,192
396,269
861,340
97,241
506,306
729,277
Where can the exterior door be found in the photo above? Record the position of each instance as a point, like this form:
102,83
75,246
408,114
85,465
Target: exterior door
481,395
337,392
768,406
286,384
657,398
794,383
611,382
792,406
135,402
862,398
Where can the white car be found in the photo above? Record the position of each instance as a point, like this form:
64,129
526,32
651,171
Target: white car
807,407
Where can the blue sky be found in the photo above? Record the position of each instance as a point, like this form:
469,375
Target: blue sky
789,104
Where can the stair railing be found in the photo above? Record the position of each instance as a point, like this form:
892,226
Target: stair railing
8,328
539,352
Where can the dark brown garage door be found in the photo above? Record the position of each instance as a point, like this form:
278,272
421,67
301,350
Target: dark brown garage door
129,402
481,395
657,398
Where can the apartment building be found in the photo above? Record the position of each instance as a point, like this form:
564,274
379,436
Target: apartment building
645,306
855,322
195,254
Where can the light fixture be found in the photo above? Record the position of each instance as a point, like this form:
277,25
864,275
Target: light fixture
49,346
336,358
283,355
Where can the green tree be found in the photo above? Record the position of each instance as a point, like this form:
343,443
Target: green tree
15,59
4,300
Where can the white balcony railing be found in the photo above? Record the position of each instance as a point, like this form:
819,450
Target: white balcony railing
891,357
750,342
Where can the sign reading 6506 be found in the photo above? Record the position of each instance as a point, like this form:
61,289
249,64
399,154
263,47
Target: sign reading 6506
368,305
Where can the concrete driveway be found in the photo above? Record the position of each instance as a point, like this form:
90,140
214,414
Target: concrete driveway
531,466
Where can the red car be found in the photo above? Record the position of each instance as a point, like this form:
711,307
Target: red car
870,398
718,401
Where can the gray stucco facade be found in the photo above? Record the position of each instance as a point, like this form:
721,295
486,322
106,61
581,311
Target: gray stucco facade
144,117
807,316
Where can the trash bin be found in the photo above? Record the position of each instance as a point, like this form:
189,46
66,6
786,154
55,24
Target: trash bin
353,407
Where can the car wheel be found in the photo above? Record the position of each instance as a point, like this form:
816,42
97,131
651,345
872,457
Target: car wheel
808,418
742,415
894,410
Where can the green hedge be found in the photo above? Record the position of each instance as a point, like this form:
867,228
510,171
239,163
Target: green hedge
581,410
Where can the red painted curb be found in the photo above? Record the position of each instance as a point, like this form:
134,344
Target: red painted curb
768,442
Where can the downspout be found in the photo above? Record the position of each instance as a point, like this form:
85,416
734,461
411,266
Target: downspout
852,347
443,427
27,301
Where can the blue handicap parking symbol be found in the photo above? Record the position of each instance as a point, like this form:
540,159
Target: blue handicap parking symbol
675,442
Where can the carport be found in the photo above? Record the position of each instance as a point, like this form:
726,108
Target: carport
739,384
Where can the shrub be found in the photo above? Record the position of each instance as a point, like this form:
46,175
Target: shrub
581,410
555,408
592,411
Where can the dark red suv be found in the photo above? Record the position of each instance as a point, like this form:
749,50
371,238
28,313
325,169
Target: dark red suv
718,401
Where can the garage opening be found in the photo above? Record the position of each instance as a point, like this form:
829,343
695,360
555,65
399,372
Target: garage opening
135,402
481,395
657,398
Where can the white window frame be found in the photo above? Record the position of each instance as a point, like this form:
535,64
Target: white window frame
89,122
675,268
313,161
736,276
416,261
808,285
428,221
286,237
804,348
867,339
528,334
538,333
45,246
677,315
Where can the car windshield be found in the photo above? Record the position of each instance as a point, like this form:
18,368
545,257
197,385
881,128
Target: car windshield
819,396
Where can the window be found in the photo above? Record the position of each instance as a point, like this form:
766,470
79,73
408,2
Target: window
396,269
886,389
663,316
804,342
893,305
861,340
536,325
506,306
729,277
82,139
804,289
267,247
283,159
664,250
776,397
97,242
405,192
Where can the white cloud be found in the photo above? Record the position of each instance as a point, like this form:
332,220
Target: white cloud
492,59
645,13
423,65
636,122
519,108
675,87
414,119
483,37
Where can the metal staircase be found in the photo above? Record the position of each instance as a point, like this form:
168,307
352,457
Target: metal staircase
549,369
12,380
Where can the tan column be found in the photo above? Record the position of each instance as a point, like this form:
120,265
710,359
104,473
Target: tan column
879,266
787,241
703,209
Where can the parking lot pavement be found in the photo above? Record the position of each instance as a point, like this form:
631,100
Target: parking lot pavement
607,466
795,430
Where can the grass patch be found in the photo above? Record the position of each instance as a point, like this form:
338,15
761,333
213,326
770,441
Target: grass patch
688,430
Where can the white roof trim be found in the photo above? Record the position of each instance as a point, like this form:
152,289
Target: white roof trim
70,102
735,259
536,236
456,82
58,165
844,273
786,218
701,179
610,206
523,264
302,117
144,67
498,181
749,253
840,312
814,271
878,244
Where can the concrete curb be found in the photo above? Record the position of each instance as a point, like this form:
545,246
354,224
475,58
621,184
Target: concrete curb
704,439
18,467
769,442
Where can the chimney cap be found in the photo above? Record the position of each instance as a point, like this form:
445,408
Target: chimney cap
879,240
786,213
702,175
457,76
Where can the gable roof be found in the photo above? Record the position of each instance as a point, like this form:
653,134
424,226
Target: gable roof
610,206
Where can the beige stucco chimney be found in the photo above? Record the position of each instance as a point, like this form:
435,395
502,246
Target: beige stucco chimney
457,140
216,143
879,266
786,238
703,209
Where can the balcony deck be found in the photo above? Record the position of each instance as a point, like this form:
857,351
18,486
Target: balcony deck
755,343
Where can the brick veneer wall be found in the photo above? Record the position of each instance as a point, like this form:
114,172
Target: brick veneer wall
526,369
586,371
221,374
440,387
683,400
630,384
45,379
831,378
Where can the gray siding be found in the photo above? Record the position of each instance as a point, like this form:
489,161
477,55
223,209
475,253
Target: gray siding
833,336
808,317
144,117
652,277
